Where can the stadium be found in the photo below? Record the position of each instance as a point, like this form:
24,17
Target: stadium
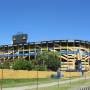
73,54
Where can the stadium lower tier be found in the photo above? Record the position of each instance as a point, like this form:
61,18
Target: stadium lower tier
71,58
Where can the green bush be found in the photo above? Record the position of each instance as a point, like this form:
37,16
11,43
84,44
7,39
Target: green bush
5,65
22,65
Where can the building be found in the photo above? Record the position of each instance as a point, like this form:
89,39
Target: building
74,54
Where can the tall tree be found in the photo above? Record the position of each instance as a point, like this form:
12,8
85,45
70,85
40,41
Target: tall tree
49,59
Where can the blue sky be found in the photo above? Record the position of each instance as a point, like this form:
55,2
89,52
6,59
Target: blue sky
45,19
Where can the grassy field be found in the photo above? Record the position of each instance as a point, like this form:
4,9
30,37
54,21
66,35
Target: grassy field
26,82
21,82
29,82
69,86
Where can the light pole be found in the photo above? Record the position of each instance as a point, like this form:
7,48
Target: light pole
36,59
1,76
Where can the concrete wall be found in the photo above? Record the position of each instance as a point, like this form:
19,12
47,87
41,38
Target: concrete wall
19,74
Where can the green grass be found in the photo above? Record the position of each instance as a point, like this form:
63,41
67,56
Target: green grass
20,82
26,82
69,86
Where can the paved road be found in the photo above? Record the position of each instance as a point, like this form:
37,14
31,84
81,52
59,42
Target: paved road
45,85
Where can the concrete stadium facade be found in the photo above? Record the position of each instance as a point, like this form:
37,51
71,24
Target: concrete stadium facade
74,54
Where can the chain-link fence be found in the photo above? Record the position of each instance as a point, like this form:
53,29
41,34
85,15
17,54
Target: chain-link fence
43,80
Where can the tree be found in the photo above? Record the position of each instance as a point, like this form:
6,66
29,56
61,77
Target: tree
49,59
53,62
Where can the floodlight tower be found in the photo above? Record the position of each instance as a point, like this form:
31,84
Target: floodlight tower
20,38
